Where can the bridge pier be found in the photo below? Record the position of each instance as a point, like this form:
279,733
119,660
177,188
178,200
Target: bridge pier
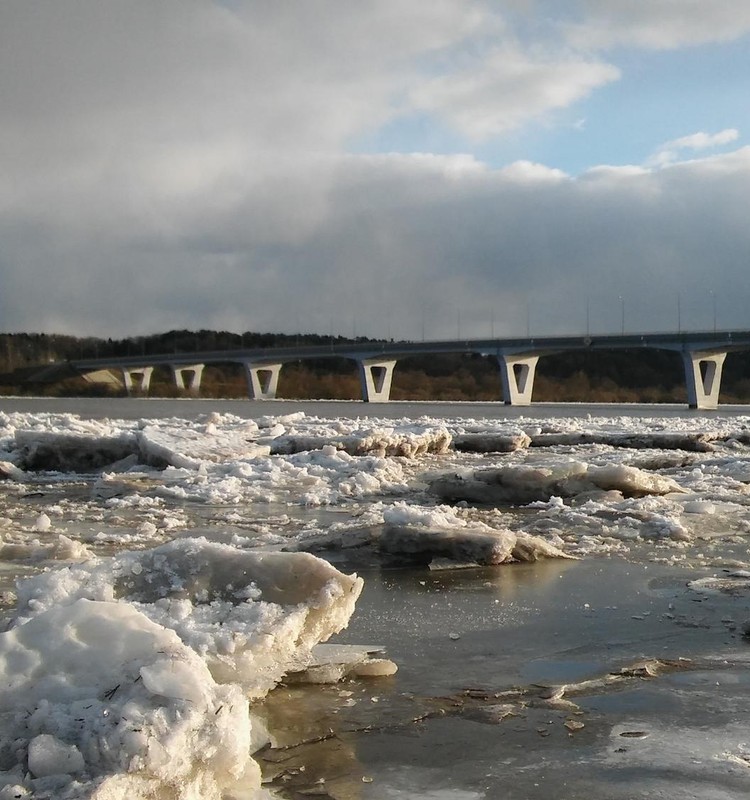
195,373
136,379
262,380
703,378
517,376
376,375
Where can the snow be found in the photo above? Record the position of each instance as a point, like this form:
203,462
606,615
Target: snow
168,574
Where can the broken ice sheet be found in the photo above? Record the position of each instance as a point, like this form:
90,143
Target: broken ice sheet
134,671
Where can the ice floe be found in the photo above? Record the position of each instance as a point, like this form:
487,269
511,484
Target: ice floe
133,672
523,484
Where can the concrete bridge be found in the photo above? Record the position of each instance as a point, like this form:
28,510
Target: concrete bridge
703,355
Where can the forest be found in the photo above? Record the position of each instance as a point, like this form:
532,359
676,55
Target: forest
653,376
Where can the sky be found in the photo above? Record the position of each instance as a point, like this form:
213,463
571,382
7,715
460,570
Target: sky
388,168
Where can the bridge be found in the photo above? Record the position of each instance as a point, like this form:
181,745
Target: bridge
703,355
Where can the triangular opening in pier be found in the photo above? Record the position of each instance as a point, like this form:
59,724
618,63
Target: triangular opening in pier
378,377
521,375
265,376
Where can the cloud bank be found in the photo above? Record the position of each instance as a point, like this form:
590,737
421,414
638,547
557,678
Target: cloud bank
188,164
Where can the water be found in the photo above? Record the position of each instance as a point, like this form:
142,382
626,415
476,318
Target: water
465,716
544,623
135,408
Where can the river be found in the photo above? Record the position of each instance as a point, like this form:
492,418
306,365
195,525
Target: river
614,675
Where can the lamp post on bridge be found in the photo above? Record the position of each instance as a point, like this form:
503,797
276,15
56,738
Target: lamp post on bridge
622,314
713,303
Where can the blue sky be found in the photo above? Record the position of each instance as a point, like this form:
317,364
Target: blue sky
335,166
659,96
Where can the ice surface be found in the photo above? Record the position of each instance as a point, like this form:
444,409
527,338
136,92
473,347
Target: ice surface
188,446
130,672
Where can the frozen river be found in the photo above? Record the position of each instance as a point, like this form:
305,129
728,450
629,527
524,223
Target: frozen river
563,589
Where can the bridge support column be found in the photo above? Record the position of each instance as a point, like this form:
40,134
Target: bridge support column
262,380
375,376
703,378
517,376
137,379
195,371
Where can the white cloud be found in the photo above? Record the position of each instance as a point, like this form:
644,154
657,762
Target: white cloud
507,89
669,152
701,141
658,24
530,172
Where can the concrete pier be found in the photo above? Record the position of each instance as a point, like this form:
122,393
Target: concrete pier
517,377
703,378
376,376
194,373
262,380
137,379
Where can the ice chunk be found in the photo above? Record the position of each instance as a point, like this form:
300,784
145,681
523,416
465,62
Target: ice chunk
187,447
251,616
532,548
630,481
693,442
115,675
49,756
11,471
60,548
479,546
490,442
421,544
42,522
524,484
72,452
332,663
409,442
74,701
